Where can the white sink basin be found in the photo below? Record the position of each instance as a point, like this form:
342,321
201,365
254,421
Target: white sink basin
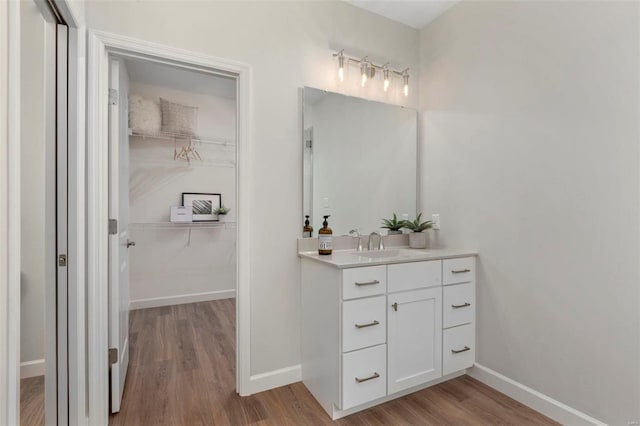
378,254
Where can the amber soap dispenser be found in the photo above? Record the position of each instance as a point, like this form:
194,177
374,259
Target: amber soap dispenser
325,238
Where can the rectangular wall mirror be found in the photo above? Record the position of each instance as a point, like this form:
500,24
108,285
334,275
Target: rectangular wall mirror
360,161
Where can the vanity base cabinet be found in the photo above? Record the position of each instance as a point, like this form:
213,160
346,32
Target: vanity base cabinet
370,334
414,338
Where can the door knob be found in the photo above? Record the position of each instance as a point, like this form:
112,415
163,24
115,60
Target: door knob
130,243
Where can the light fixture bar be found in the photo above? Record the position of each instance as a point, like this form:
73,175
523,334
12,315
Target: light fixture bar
368,70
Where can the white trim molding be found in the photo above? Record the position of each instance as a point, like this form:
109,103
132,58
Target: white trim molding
155,302
276,378
100,45
546,405
32,368
9,212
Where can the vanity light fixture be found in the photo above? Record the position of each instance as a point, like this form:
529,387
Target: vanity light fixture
368,71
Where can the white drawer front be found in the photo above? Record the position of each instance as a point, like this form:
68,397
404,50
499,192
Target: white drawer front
460,270
363,323
458,347
364,376
458,305
409,276
362,282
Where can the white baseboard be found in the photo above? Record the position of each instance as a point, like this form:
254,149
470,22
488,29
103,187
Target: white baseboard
32,368
544,404
180,299
274,379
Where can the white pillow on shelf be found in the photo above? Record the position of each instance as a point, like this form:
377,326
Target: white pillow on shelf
144,115
178,119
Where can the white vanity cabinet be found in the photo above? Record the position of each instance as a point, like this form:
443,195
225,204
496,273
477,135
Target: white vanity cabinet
374,333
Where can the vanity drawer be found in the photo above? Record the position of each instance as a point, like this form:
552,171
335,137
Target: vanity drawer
458,348
409,276
364,323
458,305
460,270
364,376
362,282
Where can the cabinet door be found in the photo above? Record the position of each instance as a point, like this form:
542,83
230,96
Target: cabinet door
414,341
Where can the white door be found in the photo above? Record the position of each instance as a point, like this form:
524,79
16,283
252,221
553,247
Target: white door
414,322
119,236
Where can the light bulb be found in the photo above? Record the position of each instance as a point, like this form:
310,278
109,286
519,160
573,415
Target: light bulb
341,67
386,80
405,79
364,67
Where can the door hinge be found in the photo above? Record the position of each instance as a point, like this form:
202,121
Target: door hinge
62,260
113,97
113,355
113,226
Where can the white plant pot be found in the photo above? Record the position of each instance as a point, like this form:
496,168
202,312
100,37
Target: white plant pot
418,240
390,232
222,217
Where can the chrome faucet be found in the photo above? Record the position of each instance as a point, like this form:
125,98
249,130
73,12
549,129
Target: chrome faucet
380,244
356,234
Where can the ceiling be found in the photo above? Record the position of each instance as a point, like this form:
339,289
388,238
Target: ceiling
172,77
414,13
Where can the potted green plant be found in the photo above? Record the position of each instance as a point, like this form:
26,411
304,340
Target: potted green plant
394,226
417,238
221,212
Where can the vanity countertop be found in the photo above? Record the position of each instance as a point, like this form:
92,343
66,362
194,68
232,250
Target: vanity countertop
343,259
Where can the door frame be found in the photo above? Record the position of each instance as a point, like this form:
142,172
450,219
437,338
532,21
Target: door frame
10,212
100,44
10,223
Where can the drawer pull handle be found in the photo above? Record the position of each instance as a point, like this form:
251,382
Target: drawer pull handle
367,283
460,271
466,348
395,306
375,322
464,305
375,376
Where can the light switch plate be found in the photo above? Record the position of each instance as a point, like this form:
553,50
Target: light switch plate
436,220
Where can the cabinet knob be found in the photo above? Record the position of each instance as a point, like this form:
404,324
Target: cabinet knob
395,306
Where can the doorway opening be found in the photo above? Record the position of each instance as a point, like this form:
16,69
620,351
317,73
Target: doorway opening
172,243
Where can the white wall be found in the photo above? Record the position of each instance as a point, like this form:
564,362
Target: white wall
530,133
168,266
32,309
288,45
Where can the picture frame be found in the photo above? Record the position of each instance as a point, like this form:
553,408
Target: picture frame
203,205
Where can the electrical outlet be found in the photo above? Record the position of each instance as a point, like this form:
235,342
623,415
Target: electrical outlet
325,202
436,220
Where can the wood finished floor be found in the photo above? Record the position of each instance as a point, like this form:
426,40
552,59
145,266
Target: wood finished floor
32,401
182,372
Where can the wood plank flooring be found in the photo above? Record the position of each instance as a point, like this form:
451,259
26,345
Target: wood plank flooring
182,372
32,401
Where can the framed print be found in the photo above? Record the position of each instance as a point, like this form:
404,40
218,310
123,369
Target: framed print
202,205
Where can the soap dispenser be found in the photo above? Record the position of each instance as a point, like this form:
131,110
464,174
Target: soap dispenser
307,230
325,238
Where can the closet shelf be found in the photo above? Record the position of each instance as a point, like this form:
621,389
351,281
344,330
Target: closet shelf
184,137
150,162
186,225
